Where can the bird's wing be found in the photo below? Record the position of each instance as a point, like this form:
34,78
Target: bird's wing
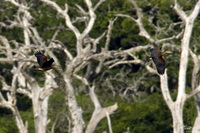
47,63
160,64
41,58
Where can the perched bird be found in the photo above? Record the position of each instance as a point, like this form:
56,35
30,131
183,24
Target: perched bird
156,56
44,63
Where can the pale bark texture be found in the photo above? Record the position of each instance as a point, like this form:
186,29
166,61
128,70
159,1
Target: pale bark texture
22,81
11,102
99,112
20,56
195,86
86,52
176,107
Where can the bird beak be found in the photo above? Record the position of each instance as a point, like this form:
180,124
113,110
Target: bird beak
169,52
166,52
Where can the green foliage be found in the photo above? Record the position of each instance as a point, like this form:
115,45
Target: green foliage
148,113
189,114
86,105
58,111
8,124
28,116
151,115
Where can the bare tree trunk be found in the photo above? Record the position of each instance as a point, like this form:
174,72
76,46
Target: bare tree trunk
10,103
177,115
195,83
40,108
196,127
176,107
75,110
40,96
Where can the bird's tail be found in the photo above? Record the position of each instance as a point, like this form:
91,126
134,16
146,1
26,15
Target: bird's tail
55,66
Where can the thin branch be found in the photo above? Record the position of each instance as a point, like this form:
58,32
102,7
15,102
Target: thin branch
143,32
126,62
64,13
91,21
84,80
98,4
195,11
96,41
193,92
94,98
108,36
109,122
25,92
81,10
17,4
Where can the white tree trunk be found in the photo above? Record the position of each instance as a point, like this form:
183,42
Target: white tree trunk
177,116
75,110
176,107
196,127
195,82
40,108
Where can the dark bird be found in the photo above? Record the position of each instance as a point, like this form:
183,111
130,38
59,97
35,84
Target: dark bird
44,63
156,56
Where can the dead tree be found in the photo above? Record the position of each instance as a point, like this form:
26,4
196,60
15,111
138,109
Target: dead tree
86,51
176,107
20,55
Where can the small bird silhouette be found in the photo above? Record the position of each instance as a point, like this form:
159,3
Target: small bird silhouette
44,63
156,56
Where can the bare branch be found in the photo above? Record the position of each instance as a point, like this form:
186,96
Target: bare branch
91,21
81,10
84,80
143,32
98,4
167,39
96,41
99,112
46,93
165,89
18,4
195,11
65,15
189,22
108,36
7,46
179,11
25,92
99,115
126,62
94,98
109,122
5,85
194,92
196,69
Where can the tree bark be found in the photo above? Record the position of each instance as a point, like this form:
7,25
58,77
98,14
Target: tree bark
40,108
75,110
99,112
196,127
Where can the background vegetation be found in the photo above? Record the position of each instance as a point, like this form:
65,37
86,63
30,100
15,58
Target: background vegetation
142,108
